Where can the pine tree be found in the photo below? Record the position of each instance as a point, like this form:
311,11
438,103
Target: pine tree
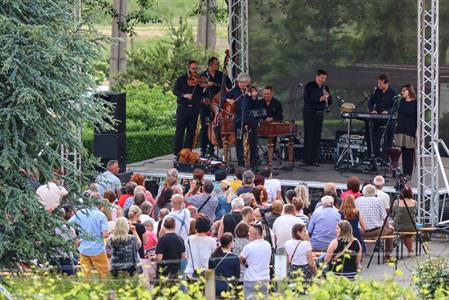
45,94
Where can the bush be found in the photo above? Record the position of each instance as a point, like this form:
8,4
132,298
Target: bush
148,108
141,145
431,276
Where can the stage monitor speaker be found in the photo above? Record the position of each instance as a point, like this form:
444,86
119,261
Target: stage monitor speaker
111,147
119,114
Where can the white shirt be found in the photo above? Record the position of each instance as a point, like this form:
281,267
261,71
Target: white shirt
200,250
384,197
50,195
257,255
282,228
144,218
300,258
107,181
182,220
273,186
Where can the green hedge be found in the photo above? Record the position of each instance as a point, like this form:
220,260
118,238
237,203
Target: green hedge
141,145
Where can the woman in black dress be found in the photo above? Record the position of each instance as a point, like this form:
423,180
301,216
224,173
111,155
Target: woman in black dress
405,137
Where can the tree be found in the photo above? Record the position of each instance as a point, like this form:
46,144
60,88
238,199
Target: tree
45,78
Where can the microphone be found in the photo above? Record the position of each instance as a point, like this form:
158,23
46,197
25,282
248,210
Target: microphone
397,96
300,84
326,106
374,90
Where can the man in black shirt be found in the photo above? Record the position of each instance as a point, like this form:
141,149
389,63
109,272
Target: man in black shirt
215,79
170,250
188,98
382,101
272,105
317,99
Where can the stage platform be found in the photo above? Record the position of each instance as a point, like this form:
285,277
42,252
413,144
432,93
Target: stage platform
315,177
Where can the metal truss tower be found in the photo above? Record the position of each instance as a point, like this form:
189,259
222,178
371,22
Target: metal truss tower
238,37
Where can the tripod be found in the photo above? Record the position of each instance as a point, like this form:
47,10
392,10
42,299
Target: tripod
400,183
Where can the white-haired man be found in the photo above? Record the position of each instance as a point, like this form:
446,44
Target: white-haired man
379,182
373,210
323,223
181,216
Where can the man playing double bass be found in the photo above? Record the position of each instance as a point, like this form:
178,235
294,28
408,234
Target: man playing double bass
215,79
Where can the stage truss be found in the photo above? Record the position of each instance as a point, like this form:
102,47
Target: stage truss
428,157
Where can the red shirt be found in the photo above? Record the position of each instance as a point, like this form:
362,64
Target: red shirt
350,192
121,201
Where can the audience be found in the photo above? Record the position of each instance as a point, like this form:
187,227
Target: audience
238,181
379,183
163,200
170,250
299,253
140,180
130,186
108,180
298,203
350,213
302,192
402,218
181,216
134,219
276,211
248,183
116,210
150,236
322,224
205,202
282,227
230,220
353,185
273,186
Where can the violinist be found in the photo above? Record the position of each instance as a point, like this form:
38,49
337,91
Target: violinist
214,80
241,98
188,98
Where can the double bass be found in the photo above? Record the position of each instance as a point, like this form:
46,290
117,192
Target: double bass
213,131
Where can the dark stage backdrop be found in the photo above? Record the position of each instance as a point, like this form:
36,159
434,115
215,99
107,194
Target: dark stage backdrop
353,40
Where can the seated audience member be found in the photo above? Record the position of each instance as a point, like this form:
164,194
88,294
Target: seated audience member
199,247
402,217
353,185
344,253
205,202
322,224
134,219
256,256
282,227
108,180
116,210
181,216
299,254
240,241
379,183
248,215
150,236
373,211
238,181
273,186
298,203
276,211
248,183
350,213
170,250
302,192
146,212
230,220
51,193
140,180
330,189
226,264
123,248
130,186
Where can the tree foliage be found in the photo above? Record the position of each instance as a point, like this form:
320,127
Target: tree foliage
45,76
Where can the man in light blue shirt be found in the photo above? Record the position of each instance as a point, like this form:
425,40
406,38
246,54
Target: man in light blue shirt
206,202
93,230
108,180
323,223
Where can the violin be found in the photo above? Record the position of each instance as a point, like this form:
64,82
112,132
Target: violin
196,79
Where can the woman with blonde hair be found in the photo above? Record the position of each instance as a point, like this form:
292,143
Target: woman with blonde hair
344,254
350,213
134,219
302,192
124,247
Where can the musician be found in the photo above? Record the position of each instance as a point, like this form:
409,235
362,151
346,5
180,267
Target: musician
240,96
407,124
272,105
215,78
381,102
317,99
188,99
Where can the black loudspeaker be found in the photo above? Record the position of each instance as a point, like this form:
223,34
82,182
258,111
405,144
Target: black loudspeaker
111,147
119,102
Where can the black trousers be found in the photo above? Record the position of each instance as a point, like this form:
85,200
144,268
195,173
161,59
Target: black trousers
206,115
313,125
252,141
407,160
186,121
377,130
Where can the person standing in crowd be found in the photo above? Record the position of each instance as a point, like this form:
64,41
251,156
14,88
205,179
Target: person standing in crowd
350,213
199,247
247,215
181,216
374,213
215,79
129,192
243,117
94,230
225,263
299,253
124,248
248,183
170,250
146,209
160,217
379,182
272,185
238,181
108,180
405,137
317,99
353,185
206,202
188,99
302,192
164,198
298,203
150,236
344,254
282,227
137,200
256,255
240,241
220,191
402,217
230,220
140,180
134,219
63,260
276,211
382,101
322,224
116,210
